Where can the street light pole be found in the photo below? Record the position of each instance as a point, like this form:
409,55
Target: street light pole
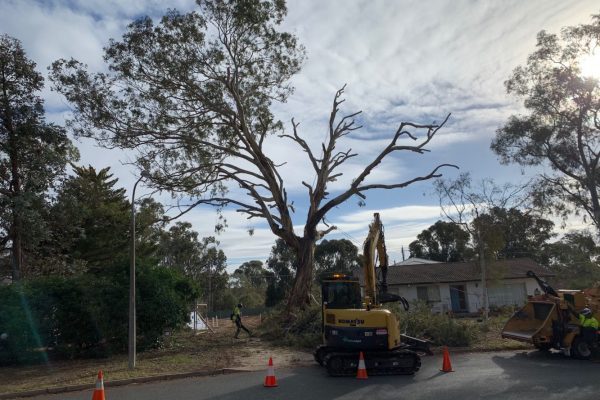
132,320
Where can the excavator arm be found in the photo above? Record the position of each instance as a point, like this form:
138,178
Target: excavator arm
376,292
374,244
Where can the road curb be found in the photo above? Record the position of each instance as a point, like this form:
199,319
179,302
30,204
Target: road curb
121,382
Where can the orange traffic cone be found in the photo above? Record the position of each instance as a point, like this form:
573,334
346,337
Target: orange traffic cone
362,370
270,380
99,390
446,365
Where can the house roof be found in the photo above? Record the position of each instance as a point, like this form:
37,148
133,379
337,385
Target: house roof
460,272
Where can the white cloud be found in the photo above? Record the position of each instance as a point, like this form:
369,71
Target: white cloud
408,60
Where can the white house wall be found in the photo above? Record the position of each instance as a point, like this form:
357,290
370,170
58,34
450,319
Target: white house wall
409,292
531,284
473,296
473,292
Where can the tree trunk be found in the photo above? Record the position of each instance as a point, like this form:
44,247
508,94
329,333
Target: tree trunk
15,189
484,291
484,294
299,295
17,228
17,254
594,200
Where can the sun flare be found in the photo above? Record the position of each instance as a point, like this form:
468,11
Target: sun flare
590,65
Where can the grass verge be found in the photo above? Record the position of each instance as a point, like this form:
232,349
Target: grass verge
183,352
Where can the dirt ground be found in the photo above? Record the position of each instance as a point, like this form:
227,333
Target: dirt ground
254,354
185,352
488,336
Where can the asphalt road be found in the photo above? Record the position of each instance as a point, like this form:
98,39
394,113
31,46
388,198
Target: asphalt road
500,375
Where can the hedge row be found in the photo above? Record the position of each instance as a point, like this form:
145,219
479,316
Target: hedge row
87,315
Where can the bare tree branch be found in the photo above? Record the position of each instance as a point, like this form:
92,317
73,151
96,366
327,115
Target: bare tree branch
431,175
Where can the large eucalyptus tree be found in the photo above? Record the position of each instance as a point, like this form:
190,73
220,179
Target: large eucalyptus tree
193,95
560,129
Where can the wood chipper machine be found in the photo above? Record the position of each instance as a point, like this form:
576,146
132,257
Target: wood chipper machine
547,323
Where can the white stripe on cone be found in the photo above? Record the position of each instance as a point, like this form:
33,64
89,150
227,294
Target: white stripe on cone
361,364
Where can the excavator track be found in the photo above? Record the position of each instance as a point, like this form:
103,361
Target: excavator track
396,362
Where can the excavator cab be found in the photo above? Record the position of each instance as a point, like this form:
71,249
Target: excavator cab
341,291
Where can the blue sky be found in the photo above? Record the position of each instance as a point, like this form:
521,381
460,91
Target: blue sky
401,60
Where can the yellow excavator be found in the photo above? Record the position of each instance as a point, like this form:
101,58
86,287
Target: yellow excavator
351,323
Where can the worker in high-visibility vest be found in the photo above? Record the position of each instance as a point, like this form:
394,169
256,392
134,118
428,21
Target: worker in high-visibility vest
589,328
236,316
587,320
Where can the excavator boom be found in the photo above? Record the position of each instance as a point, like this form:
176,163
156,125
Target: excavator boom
373,246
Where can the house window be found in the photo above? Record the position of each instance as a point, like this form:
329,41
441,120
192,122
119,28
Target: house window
507,294
428,294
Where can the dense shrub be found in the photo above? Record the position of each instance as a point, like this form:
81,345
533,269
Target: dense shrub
17,321
164,299
439,328
87,315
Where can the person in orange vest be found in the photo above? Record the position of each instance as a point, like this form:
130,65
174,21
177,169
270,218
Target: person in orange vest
236,316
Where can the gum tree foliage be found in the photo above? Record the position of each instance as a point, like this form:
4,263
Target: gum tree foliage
199,259
249,285
33,154
281,269
442,241
252,272
519,233
193,94
337,255
180,248
575,261
561,127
